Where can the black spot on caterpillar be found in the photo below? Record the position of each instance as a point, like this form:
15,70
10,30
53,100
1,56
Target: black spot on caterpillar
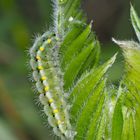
49,83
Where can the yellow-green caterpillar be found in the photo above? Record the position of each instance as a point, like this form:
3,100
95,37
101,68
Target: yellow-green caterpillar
49,83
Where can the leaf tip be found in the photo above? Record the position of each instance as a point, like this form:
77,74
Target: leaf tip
114,57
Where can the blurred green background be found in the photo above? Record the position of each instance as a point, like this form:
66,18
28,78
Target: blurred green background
21,117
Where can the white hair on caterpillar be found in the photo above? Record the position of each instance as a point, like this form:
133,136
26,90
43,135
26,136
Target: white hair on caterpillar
49,83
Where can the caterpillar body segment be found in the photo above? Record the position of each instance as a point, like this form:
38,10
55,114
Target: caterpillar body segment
49,83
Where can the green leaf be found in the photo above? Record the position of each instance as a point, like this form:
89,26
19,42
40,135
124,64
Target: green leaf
85,116
74,32
131,52
135,22
117,122
75,66
137,122
128,127
96,121
93,58
86,85
87,99
71,8
75,47
131,81
101,130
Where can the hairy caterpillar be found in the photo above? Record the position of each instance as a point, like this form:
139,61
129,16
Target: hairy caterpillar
48,77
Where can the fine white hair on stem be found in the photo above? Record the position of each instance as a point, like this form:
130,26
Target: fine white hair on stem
55,14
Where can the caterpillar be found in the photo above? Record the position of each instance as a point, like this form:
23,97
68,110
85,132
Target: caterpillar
44,61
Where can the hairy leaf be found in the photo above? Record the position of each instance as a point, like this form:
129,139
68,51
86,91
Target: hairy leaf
135,22
117,122
86,85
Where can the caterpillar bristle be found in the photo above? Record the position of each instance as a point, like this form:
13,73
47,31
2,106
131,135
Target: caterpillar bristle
48,79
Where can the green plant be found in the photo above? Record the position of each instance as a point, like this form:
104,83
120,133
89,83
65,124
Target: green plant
72,86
